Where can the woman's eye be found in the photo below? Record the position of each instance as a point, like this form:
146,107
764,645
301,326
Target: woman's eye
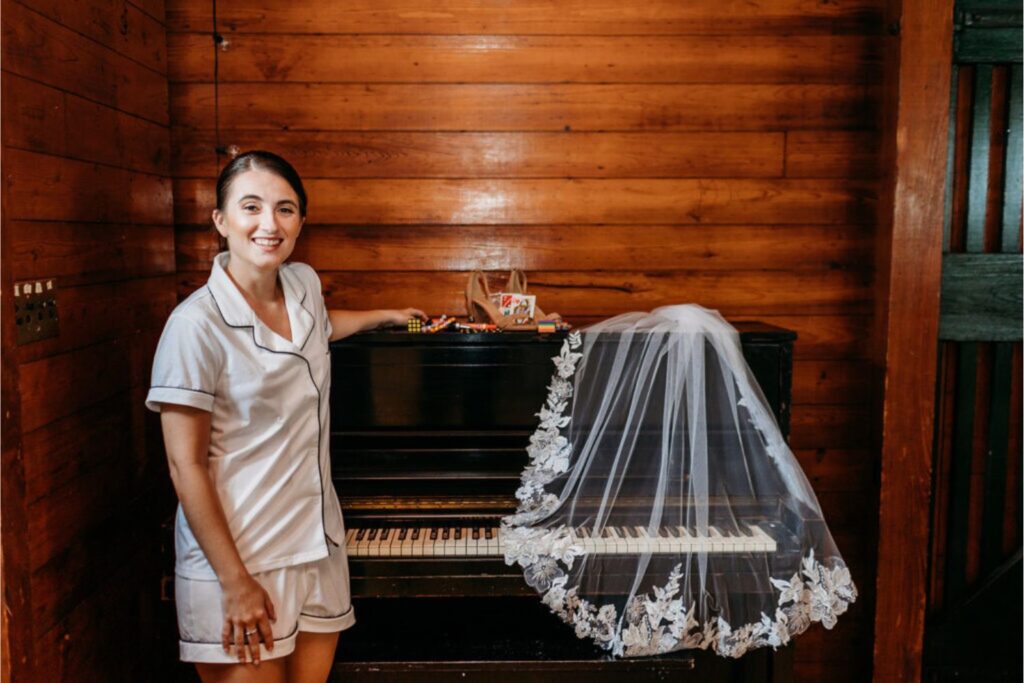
250,207
287,209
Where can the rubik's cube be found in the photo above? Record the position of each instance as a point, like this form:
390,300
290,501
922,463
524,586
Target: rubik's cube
414,325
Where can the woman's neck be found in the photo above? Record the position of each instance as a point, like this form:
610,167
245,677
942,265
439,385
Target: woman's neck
257,285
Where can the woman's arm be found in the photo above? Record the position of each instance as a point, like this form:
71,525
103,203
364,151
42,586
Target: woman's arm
246,604
344,323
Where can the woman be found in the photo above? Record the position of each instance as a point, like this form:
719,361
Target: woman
241,379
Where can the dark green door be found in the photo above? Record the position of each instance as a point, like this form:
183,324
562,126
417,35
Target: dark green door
973,630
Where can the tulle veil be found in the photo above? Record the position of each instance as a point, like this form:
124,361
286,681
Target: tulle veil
661,508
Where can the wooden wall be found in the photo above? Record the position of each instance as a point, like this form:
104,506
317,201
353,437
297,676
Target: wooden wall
87,201
626,154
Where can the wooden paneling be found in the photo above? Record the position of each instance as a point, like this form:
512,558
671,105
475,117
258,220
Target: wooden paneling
511,107
86,200
50,188
527,59
116,24
498,202
87,253
572,17
41,49
599,293
353,154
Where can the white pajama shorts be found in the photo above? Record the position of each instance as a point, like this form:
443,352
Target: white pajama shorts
311,597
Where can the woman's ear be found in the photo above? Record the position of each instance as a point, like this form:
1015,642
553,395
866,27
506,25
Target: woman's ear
218,222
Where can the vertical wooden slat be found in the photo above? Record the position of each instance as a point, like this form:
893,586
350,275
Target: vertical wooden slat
995,469
977,197
996,159
1012,495
966,379
1014,179
979,451
957,238
945,421
951,157
909,268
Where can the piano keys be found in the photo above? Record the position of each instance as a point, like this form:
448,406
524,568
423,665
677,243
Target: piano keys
479,541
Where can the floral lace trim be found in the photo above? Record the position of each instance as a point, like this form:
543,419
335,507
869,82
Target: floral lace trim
658,623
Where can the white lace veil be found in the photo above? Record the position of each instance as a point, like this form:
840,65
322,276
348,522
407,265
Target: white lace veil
661,508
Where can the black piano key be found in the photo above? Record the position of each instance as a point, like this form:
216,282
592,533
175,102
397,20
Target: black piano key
458,533
446,533
489,533
360,534
416,534
403,533
384,534
476,534
433,534
373,534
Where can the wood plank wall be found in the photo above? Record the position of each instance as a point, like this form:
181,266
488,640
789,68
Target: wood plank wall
87,201
626,154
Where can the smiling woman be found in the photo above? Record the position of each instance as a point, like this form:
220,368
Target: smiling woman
241,378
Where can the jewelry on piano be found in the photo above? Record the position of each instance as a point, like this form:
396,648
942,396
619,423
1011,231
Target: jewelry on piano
659,461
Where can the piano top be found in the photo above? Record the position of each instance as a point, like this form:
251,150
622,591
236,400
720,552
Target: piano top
751,332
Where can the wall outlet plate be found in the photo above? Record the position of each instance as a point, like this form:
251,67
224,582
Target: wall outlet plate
35,310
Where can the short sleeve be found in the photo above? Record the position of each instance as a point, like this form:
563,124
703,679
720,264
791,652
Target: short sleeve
185,368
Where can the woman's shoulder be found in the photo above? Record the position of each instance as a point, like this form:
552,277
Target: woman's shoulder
199,308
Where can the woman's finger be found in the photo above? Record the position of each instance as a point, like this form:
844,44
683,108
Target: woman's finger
252,641
266,634
225,636
240,641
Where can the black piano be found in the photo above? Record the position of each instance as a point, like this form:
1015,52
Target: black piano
428,441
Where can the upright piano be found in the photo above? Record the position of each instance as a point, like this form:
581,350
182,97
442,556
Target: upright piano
429,435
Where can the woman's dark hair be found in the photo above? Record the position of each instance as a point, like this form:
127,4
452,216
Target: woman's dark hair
259,160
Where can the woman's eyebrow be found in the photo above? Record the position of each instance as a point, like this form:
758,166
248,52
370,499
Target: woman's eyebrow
251,196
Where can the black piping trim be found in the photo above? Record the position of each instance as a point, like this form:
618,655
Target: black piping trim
319,425
233,644
167,386
336,616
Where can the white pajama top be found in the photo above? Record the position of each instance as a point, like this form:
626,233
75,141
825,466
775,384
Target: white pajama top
268,455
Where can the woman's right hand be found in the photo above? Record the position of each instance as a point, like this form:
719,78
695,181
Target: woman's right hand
248,612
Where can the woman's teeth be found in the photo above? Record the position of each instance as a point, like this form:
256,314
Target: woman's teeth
265,242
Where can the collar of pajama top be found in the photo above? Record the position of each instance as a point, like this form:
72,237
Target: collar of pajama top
269,451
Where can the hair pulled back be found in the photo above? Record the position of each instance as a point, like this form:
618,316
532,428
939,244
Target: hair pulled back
259,160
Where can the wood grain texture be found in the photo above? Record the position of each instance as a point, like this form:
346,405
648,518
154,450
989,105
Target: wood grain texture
360,58
50,188
39,48
530,107
334,154
908,292
571,17
503,202
116,24
552,247
600,293
831,154
88,253
39,118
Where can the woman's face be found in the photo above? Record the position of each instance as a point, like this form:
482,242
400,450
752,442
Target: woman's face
260,220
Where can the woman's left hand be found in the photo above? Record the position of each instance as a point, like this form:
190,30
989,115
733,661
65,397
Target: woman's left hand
401,317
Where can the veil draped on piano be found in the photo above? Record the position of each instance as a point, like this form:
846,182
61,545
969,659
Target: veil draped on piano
661,508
